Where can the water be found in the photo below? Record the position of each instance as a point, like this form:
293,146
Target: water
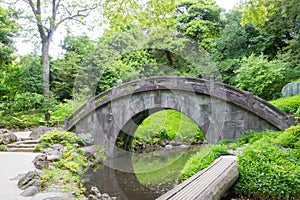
155,174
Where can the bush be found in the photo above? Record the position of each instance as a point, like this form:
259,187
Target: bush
268,170
266,78
3,147
170,125
58,137
288,104
202,160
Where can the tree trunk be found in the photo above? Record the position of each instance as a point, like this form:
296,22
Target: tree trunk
46,68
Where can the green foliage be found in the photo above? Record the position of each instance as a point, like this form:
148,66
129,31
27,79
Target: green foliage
35,117
268,170
290,138
266,78
30,74
200,20
58,137
153,13
3,147
8,28
168,124
66,173
250,137
288,104
277,18
202,159
64,71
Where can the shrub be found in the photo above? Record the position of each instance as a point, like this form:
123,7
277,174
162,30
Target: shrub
57,137
290,138
270,171
266,78
3,147
288,104
202,160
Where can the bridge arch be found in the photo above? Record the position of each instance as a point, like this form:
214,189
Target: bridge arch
220,110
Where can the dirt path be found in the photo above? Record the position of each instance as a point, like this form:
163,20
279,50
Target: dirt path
11,165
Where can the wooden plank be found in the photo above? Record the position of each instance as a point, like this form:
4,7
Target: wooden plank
209,183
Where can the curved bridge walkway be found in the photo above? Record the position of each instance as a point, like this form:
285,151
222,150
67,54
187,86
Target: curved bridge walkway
220,110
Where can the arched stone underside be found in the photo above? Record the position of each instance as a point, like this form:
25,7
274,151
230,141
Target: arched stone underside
220,110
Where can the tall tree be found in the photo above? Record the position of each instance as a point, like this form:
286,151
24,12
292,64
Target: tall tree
150,13
47,16
278,18
200,20
8,28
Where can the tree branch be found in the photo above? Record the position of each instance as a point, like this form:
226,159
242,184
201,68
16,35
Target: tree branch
37,14
79,14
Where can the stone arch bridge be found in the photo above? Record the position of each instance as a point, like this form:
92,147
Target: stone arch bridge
220,110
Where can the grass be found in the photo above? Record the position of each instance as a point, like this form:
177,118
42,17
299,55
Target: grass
269,166
288,104
168,124
202,160
36,117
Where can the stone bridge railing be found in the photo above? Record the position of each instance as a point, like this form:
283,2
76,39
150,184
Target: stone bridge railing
219,90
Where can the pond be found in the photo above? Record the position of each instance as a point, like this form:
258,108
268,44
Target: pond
155,173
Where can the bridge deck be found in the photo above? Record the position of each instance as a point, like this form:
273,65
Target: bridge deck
210,183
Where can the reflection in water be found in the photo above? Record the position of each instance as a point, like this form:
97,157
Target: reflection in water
156,173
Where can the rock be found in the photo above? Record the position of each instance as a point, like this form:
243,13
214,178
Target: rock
183,146
291,89
41,162
32,178
41,130
92,197
87,139
169,146
53,196
30,191
162,143
54,152
7,137
105,196
96,195
95,191
90,150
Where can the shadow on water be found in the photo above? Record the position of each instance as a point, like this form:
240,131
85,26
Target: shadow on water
155,174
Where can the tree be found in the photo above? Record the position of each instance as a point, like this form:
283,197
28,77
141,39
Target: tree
265,78
278,18
200,20
145,14
237,41
47,16
65,70
8,28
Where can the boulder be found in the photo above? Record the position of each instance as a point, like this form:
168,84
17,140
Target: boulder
54,152
87,139
90,150
96,195
32,178
41,130
53,196
7,137
291,89
30,191
41,162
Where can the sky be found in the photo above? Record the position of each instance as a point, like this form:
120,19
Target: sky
55,51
